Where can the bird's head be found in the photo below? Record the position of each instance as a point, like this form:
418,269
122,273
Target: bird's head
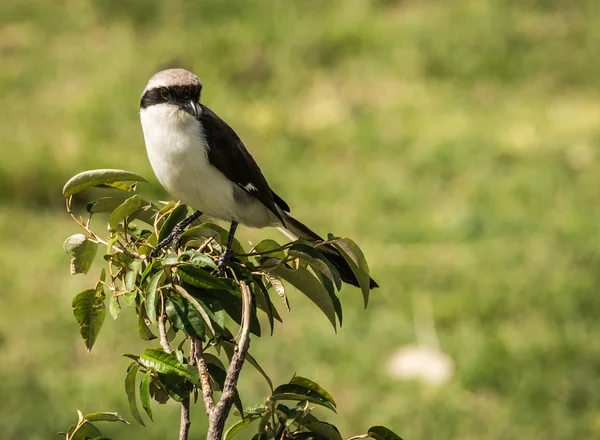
173,87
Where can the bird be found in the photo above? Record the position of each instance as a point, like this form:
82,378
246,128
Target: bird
201,161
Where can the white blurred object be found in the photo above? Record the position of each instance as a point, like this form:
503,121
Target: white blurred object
421,363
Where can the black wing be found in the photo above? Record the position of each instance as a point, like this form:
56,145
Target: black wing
228,154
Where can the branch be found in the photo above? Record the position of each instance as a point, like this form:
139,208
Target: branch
218,415
207,391
162,331
184,425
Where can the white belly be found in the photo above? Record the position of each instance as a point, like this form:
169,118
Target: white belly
179,157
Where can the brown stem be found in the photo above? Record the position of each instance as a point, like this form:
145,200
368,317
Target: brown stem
218,415
184,425
207,391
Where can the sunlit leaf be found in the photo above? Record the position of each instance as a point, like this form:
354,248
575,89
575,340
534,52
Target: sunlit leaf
357,262
151,297
105,417
114,308
130,390
131,276
106,204
178,214
301,393
166,363
208,229
268,249
382,433
279,289
317,261
306,283
82,250
92,178
237,427
89,311
307,383
145,393
124,210
197,259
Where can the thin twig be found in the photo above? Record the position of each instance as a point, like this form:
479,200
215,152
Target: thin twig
162,330
207,391
217,417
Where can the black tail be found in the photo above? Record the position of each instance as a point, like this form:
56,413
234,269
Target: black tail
300,230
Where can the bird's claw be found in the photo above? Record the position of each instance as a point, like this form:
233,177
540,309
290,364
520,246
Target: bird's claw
224,260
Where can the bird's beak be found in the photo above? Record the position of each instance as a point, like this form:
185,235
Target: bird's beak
193,108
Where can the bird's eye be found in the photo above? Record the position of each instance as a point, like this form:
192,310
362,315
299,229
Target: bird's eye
164,93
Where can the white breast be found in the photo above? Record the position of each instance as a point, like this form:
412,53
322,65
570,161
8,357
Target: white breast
178,154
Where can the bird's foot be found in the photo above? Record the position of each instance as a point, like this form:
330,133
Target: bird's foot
224,260
174,238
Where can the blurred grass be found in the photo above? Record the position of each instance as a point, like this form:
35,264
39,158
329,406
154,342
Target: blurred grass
456,141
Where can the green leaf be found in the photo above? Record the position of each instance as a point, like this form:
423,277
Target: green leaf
199,277
231,300
357,262
129,297
197,259
237,427
307,383
301,393
178,214
185,317
382,433
105,417
306,283
317,261
89,311
177,387
145,393
130,390
208,229
279,289
158,391
124,210
143,329
206,314
85,432
166,363
151,297
106,204
89,179
131,276
268,249
82,250
308,435
324,429
263,301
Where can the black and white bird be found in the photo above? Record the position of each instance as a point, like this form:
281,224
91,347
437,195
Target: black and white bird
201,161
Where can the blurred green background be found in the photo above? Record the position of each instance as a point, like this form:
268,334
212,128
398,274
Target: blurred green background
456,141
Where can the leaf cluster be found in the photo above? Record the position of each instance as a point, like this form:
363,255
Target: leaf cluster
177,298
